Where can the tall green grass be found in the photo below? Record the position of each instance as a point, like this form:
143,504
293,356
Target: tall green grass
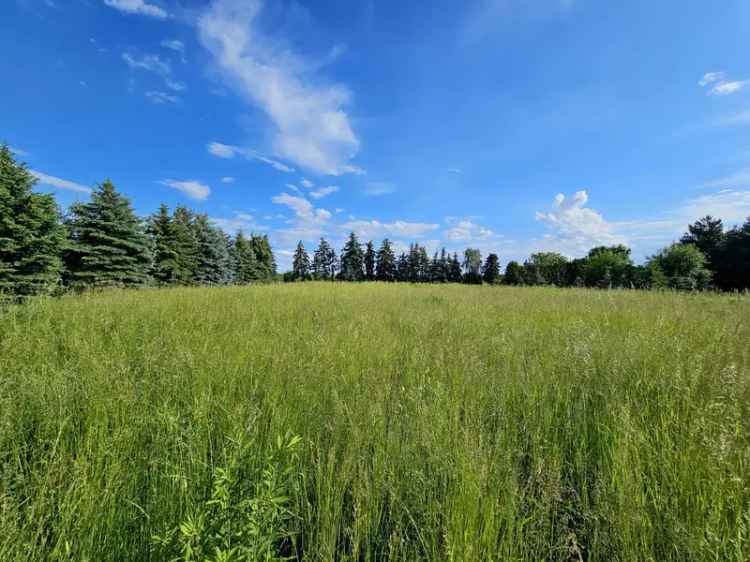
371,422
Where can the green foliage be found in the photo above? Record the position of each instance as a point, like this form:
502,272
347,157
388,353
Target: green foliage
680,266
608,267
324,261
491,269
385,262
214,266
300,263
733,268
31,236
107,245
249,516
352,260
513,273
546,268
369,261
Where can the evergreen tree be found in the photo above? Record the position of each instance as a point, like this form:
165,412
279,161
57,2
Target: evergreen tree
423,271
707,234
245,262
31,236
185,243
370,262
264,259
352,260
164,265
491,269
324,261
454,270
213,264
402,268
385,263
514,273
300,263
107,244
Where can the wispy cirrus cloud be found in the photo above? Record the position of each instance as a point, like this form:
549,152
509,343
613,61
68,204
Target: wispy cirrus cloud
324,191
158,97
192,188
59,183
229,151
140,7
154,64
310,125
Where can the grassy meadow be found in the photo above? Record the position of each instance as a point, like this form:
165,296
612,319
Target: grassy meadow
369,422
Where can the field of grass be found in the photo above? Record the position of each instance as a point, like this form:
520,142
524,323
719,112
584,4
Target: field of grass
371,422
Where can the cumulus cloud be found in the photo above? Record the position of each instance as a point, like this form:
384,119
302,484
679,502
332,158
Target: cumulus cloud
240,221
137,7
191,188
229,151
467,231
576,228
301,206
59,183
310,126
324,191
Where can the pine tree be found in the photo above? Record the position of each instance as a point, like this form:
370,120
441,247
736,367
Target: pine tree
31,236
300,263
107,245
159,228
265,261
352,260
491,269
402,268
213,263
370,262
385,262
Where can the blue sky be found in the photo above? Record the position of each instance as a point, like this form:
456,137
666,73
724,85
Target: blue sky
508,125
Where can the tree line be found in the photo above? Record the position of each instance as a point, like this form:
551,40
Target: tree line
102,243
706,257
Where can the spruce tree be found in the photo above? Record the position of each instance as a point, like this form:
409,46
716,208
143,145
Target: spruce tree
402,268
265,262
370,262
300,263
352,260
165,263
385,262
454,270
245,262
324,261
514,274
31,236
185,242
107,244
213,264
491,269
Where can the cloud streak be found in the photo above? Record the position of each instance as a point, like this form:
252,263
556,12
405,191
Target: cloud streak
59,183
139,7
229,151
310,126
192,188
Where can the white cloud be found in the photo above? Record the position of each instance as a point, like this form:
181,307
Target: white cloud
239,222
731,205
301,206
468,231
152,63
711,77
59,183
739,179
728,88
18,151
375,229
577,228
191,188
376,188
174,45
307,183
157,97
137,7
323,191
228,151
227,179
311,127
